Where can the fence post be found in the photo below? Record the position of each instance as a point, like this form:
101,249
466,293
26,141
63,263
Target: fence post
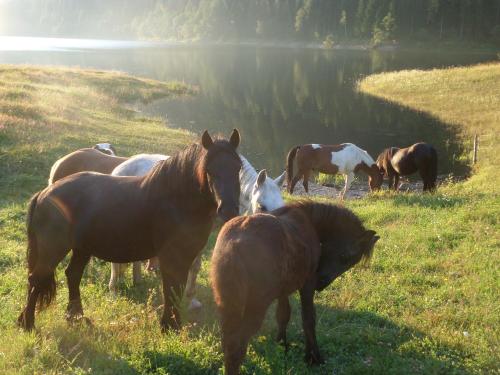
476,142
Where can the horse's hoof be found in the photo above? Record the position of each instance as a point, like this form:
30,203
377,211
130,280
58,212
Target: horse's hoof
194,305
171,325
283,342
314,359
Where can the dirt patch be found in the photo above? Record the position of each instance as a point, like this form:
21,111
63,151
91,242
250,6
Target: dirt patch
360,188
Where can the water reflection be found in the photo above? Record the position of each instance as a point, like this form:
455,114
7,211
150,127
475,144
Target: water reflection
279,97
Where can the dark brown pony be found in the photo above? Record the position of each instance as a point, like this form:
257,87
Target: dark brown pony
302,246
345,158
422,157
167,213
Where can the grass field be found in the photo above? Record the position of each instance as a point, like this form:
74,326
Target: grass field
428,303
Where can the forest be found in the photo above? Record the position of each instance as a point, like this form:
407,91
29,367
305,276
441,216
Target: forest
322,21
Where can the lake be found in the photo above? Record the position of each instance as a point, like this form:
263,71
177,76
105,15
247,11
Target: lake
277,97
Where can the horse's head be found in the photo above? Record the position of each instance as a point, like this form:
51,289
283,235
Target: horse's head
105,148
222,168
375,177
340,254
266,193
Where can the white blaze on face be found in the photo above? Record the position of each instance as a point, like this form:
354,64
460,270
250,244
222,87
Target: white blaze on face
315,146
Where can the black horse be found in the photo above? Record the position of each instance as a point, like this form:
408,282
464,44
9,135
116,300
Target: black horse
422,157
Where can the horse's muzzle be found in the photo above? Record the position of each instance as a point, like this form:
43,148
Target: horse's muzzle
226,213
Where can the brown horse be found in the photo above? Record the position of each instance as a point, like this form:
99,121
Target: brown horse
422,157
345,158
167,213
100,159
302,246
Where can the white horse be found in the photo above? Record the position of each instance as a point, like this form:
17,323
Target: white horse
258,193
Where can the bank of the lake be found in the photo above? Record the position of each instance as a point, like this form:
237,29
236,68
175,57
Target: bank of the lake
425,305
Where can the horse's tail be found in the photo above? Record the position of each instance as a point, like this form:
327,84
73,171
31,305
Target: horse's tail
44,282
433,169
289,165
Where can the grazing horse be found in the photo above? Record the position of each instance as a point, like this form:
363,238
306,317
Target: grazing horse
422,157
101,158
345,158
260,258
168,213
258,193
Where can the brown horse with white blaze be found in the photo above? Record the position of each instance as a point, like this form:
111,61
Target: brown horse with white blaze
260,258
168,213
345,158
422,157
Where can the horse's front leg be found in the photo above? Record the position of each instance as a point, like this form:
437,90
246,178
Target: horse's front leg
174,276
396,182
349,178
312,356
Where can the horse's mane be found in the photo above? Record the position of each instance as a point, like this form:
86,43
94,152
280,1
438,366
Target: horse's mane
386,155
185,173
330,221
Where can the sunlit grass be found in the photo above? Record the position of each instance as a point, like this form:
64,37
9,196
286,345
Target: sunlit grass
426,304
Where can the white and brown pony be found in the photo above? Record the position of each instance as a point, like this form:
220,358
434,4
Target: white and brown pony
101,158
345,158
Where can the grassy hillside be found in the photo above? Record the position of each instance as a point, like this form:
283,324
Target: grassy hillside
427,304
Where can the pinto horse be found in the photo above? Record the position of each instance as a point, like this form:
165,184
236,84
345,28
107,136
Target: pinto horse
345,158
168,213
422,157
101,158
302,246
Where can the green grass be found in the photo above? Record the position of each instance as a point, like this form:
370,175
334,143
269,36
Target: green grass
428,303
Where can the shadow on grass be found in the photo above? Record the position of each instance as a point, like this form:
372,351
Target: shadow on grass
353,342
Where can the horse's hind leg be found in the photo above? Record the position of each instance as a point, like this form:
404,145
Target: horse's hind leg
191,283
283,317
41,285
74,273
294,182
136,273
236,334
423,172
26,319
305,181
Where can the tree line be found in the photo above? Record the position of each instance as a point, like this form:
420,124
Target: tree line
326,21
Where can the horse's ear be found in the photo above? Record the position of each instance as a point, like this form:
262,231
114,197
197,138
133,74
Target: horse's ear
206,140
280,179
235,138
261,178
